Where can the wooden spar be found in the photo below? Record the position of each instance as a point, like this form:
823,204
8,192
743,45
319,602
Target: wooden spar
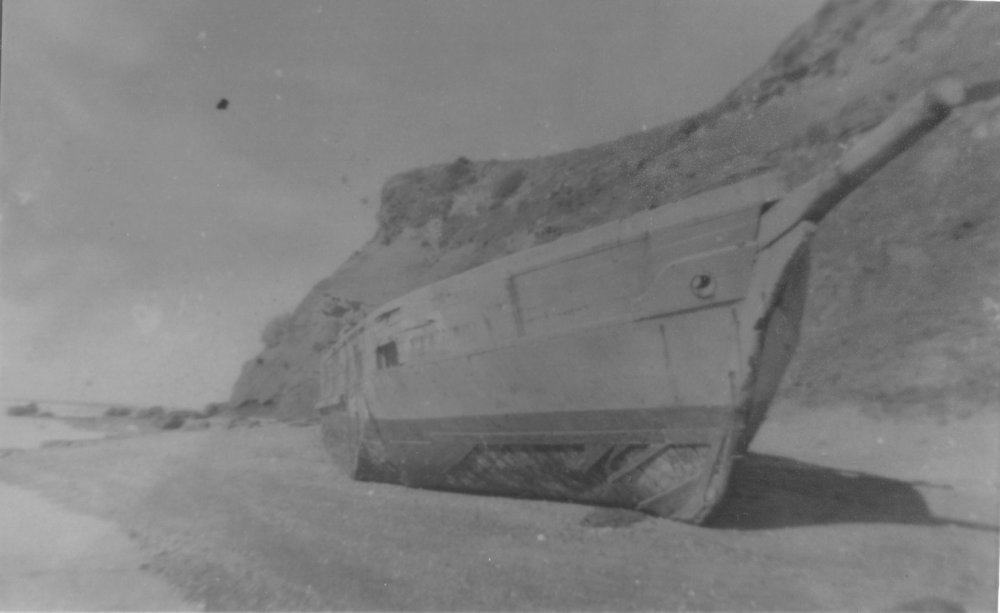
814,199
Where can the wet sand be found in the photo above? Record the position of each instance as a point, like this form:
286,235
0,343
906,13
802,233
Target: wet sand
54,559
31,432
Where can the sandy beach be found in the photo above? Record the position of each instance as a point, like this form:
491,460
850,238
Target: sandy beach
55,559
253,515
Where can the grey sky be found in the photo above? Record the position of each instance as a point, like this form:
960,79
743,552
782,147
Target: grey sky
147,236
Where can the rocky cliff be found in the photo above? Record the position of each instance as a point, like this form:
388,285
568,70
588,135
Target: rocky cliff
903,314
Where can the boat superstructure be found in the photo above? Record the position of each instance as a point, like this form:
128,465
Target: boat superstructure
623,365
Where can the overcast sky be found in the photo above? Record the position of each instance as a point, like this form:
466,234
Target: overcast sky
147,236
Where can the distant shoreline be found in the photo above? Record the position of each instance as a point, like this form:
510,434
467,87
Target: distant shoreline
32,432
83,403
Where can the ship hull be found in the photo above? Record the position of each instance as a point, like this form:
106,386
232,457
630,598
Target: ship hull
625,365
644,413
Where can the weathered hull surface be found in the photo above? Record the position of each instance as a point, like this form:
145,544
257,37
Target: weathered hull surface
624,365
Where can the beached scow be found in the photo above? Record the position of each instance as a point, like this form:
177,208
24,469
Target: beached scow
623,365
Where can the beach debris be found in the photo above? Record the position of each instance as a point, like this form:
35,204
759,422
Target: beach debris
151,413
172,421
118,412
23,410
242,422
214,408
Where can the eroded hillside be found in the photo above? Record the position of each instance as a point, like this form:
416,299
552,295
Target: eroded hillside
904,303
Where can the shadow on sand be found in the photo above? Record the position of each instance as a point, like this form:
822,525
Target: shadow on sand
774,492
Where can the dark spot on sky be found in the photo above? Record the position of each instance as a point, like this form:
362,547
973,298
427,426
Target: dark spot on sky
963,229
223,104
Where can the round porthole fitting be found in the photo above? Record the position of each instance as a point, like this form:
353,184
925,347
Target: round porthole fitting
703,286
